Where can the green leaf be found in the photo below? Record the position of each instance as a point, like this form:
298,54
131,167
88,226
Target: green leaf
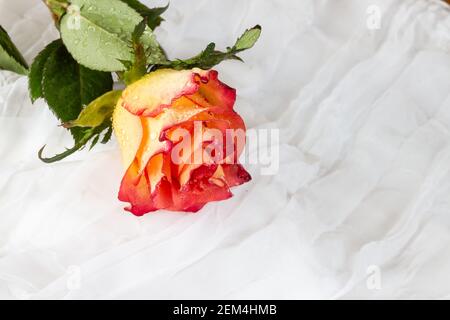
207,59
210,57
94,142
37,70
248,39
97,111
68,86
98,34
107,135
88,134
79,145
153,15
10,57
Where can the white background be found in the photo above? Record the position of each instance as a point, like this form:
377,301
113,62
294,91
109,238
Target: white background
360,207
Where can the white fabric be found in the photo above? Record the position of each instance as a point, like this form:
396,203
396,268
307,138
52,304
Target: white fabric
360,207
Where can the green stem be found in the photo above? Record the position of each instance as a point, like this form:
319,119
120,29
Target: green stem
139,67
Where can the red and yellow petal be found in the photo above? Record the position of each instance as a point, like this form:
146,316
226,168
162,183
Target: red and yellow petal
128,131
135,190
216,92
158,90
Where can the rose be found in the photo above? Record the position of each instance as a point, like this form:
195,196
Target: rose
180,140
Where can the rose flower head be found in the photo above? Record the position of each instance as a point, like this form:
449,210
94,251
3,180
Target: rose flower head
180,139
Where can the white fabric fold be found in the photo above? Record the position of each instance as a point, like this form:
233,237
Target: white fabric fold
359,207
